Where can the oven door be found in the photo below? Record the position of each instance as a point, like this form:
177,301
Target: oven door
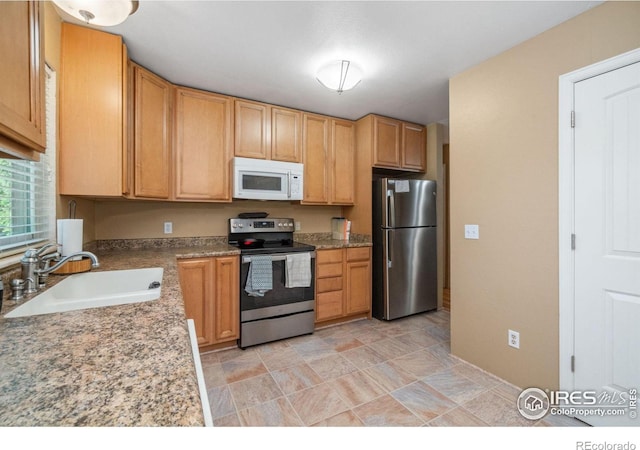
280,300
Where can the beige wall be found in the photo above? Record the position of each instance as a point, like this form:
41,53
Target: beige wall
504,177
139,219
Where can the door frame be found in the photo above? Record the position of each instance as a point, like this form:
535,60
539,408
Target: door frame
566,212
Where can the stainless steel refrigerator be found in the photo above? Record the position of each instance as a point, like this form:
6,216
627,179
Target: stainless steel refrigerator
404,247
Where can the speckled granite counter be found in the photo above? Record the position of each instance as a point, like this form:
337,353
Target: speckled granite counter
323,241
128,365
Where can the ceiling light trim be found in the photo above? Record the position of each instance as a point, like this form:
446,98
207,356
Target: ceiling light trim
339,76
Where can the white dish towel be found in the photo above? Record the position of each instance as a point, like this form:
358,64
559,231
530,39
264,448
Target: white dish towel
298,270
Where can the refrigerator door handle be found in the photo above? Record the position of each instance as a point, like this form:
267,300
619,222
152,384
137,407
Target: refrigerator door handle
391,209
389,247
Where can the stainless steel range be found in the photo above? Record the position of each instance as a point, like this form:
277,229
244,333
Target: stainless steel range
277,280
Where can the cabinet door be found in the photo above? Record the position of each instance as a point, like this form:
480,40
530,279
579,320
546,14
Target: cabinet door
286,135
92,99
358,275
152,141
227,298
414,147
22,75
343,162
386,142
203,130
196,277
251,129
315,152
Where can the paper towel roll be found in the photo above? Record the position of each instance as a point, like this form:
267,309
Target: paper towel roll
70,236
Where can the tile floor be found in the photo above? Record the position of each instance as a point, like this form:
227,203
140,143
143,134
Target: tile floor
363,373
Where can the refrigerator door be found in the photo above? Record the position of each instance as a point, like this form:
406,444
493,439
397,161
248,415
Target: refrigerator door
408,203
410,280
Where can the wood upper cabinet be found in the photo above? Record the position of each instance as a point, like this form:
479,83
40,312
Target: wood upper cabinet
393,144
152,135
93,89
22,106
264,131
316,158
342,162
252,129
286,135
386,142
414,147
203,145
210,292
328,149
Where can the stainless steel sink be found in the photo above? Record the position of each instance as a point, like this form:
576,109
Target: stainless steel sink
95,290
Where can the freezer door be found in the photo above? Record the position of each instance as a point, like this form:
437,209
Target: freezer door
410,203
410,278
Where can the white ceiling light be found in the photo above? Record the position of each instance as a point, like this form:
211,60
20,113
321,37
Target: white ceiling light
339,76
104,13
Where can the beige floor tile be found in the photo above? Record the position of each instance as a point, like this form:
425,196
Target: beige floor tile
363,357
389,376
357,388
442,352
477,375
253,391
457,387
342,343
276,413
213,375
233,353
317,403
386,411
417,340
458,417
285,357
231,420
331,367
296,378
496,411
560,421
344,419
424,401
220,401
508,391
370,335
209,358
390,348
242,367
419,364
313,349
271,348
439,332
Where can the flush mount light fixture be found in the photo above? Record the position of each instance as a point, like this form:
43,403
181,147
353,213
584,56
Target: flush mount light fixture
339,76
104,13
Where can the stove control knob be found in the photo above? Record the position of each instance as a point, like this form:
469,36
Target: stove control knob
241,226
279,224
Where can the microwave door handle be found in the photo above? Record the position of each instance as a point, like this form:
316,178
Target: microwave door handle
289,184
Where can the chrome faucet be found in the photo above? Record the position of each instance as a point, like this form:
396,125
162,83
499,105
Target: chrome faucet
35,267
94,262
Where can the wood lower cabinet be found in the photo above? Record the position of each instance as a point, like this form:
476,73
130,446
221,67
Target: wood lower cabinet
203,145
328,153
22,106
93,88
152,135
343,283
211,297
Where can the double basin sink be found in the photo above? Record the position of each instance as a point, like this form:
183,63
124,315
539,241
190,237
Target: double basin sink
95,290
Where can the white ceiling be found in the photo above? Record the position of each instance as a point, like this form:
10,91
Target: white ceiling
269,51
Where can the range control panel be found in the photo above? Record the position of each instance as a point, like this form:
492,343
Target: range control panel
260,225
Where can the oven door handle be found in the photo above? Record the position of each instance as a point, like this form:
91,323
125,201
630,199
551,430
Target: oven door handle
278,257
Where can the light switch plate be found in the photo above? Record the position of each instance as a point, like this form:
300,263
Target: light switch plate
471,232
168,227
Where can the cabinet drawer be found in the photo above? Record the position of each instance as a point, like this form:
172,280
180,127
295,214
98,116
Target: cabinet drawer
329,256
329,284
358,254
329,305
329,270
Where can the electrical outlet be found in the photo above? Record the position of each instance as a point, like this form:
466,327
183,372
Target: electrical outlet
298,226
471,232
514,339
168,227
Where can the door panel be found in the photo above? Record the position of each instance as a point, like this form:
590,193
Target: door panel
607,220
410,279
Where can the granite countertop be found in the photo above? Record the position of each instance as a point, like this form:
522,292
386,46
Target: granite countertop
323,241
127,365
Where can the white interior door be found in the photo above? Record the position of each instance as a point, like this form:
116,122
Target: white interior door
607,229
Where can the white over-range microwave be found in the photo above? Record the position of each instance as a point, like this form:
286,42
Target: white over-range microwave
261,179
